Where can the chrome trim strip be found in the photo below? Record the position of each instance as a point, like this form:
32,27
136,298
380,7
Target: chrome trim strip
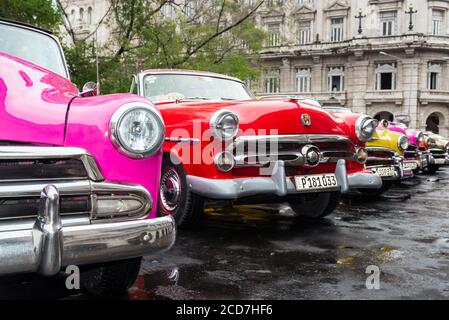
183,140
37,153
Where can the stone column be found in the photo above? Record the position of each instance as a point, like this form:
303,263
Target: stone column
358,86
410,84
317,75
286,76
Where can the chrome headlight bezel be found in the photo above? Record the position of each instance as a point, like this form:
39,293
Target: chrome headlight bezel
419,137
403,143
385,123
361,124
116,121
217,129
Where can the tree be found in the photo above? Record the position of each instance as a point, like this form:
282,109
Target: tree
210,35
40,13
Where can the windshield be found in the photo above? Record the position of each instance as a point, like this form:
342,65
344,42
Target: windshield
33,46
185,86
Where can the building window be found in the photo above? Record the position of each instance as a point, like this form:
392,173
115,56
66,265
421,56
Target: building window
336,79
272,3
89,15
303,80
386,76
168,10
434,76
337,29
388,23
274,34
81,14
304,32
72,16
437,22
272,81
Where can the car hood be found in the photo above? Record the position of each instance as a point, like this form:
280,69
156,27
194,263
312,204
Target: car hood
33,102
386,139
438,142
275,116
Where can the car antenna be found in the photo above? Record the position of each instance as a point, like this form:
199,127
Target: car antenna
96,62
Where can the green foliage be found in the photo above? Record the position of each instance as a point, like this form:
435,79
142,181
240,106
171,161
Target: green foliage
39,13
209,38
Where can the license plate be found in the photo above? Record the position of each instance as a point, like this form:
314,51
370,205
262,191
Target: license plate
440,161
424,162
410,166
384,171
318,181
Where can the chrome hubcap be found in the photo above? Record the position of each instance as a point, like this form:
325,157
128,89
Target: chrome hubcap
170,191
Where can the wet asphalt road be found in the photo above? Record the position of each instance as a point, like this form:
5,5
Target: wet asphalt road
261,252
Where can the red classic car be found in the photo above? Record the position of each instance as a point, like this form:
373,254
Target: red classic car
221,143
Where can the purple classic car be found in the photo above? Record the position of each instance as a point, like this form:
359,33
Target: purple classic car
415,158
79,176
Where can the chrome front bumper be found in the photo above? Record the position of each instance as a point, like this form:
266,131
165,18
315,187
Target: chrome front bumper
50,242
278,184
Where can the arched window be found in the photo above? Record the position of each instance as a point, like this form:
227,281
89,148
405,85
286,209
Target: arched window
384,115
89,15
434,121
81,14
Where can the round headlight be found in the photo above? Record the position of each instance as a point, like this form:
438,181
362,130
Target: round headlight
224,125
137,130
403,143
420,137
385,123
365,127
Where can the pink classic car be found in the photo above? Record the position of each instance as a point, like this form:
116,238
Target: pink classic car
79,177
414,158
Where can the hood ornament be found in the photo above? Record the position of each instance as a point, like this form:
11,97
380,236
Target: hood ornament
306,120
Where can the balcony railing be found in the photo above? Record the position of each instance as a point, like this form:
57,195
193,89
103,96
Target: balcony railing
429,96
367,43
379,96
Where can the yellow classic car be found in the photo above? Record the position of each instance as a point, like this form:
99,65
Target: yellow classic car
386,158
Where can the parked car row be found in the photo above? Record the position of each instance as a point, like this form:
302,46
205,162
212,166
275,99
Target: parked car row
100,181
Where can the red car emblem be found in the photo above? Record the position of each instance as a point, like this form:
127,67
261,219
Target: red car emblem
306,120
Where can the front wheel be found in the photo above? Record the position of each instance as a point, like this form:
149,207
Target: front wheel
315,205
176,199
431,169
386,185
110,279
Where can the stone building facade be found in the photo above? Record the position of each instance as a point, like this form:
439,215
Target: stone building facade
377,63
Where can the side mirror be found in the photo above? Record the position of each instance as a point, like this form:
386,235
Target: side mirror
90,89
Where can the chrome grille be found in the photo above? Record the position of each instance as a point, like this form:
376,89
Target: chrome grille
256,151
26,170
380,156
